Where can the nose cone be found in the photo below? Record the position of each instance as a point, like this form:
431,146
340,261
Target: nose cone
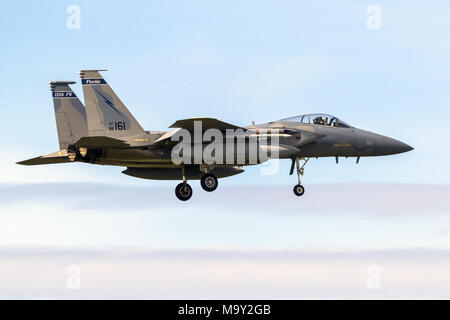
387,146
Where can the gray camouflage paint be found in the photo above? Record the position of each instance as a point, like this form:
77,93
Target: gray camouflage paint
148,158
70,114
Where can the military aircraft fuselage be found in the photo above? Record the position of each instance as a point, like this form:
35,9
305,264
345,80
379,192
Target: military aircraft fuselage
327,141
104,132
341,142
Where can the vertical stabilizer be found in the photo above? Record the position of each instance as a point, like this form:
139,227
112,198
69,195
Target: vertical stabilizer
106,114
69,113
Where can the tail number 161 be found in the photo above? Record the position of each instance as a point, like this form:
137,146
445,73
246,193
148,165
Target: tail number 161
117,125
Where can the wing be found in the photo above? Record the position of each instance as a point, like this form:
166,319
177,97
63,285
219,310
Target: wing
207,123
188,124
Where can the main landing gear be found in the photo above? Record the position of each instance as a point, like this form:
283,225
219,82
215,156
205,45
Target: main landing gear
299,190
183,191
209,182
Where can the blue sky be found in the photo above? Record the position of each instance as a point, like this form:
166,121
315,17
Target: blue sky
239,61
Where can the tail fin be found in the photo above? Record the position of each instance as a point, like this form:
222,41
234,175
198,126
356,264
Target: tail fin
106,114
69,113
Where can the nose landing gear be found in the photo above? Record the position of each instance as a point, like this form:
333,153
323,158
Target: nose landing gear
299,190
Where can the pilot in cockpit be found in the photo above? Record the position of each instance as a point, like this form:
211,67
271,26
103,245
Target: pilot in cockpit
321,121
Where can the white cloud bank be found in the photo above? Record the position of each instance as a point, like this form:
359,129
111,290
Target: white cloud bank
239,242
372,199
209,274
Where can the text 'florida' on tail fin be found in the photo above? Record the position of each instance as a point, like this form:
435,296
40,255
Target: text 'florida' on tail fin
106,114
69,113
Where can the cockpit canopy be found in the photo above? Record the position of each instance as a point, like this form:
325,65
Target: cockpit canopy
319,119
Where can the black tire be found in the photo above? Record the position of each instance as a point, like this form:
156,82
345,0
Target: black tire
209,182
183,191
299,190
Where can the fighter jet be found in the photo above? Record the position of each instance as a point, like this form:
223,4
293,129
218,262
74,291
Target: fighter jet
104,132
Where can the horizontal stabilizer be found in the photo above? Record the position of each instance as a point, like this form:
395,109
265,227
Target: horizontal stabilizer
207,123
100,142
61,156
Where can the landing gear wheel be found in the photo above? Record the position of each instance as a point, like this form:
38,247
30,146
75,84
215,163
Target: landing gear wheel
183,191
209,182
299,190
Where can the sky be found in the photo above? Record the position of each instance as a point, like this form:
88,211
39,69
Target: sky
239,61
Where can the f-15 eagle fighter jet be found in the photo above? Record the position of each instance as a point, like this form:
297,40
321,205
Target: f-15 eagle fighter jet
104,132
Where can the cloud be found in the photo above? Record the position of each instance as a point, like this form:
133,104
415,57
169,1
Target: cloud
373,199
213,273
245,216
140,242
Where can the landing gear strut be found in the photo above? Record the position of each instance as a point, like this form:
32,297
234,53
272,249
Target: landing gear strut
209,182
299,190
183,191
